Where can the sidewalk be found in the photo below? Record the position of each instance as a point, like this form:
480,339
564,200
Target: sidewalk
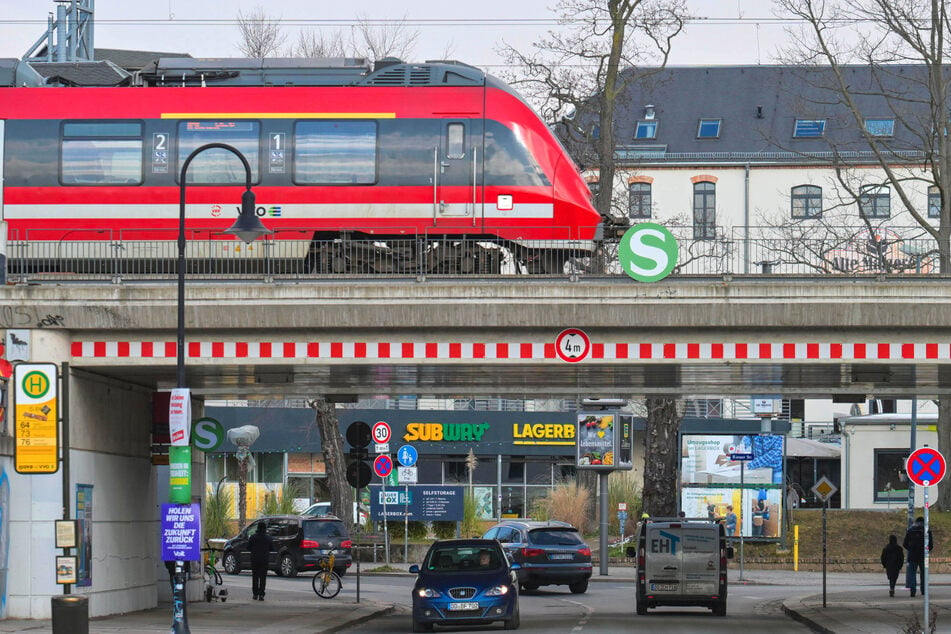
855,603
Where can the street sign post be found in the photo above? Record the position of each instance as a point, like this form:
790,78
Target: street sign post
926,467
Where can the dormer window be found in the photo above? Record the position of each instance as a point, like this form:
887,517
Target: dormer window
646,130
809,128
708,129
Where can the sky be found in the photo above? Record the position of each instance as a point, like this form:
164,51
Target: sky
725,31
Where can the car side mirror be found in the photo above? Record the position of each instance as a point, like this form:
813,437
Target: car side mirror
631,551
414,569
729,552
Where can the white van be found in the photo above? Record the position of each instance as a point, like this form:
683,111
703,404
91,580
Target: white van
681,562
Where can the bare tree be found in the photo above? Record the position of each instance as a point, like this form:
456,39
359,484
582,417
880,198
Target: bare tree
261,35
887,36
579,71
575,75
317,44
390,39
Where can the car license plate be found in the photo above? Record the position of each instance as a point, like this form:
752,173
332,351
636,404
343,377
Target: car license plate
458,607
663,587
562,556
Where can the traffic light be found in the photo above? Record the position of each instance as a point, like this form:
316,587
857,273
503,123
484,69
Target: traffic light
358,465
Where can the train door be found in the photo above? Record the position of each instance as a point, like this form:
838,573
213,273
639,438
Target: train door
455,172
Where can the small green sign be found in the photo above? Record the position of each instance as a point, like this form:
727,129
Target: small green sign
391,480
207,434
179,475
648,252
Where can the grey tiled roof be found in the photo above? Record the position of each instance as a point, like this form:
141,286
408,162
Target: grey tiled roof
82,73
758,106
132,60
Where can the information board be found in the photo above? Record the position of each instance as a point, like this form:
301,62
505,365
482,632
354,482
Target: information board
36,418
426,503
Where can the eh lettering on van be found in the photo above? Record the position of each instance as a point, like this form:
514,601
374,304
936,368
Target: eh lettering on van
667,543
445,432
543,434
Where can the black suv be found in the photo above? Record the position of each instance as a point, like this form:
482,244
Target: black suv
549,553
299,544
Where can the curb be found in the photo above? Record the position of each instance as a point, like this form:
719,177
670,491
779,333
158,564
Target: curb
381,611
805,620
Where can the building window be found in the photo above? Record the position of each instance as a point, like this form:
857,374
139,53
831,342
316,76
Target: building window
875,201
646,130
709,129
639,200
934,202
594,186
880,127
806,201
704,210
809,128
890,480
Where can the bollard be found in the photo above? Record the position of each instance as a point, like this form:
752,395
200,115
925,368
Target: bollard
70,614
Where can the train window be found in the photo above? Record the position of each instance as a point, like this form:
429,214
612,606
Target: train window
335,152
455,141
102,153
218,166
507,160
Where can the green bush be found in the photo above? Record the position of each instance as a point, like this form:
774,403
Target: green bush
215,520
417,530
444,530
280,502
471,524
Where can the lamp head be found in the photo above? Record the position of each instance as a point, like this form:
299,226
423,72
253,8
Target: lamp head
248,227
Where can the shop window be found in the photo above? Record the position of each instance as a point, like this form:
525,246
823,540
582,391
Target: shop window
513,501
890,480
538,473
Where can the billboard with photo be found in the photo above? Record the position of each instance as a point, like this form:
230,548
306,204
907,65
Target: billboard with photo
735,478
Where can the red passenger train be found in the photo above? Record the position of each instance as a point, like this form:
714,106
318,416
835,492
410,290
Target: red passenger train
437,153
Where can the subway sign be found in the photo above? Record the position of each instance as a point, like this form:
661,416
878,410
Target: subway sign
445,432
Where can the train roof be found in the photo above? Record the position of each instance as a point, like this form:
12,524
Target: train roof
296,71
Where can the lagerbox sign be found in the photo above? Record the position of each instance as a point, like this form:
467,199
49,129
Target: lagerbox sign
181,532
180,475
596,441
180,416
426,503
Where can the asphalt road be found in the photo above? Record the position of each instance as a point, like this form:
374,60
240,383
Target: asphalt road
607,607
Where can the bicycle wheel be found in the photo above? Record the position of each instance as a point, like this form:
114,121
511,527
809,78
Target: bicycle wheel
326,584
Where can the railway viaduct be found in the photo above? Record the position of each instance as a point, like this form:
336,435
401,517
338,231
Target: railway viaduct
343,338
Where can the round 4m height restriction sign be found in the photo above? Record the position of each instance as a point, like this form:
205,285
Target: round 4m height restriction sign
572,345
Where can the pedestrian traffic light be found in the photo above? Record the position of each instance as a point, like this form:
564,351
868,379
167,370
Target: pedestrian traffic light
358,466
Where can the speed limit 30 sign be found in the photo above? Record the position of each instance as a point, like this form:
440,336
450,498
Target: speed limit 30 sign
381,432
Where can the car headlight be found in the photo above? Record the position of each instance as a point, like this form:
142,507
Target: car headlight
428,593
497,591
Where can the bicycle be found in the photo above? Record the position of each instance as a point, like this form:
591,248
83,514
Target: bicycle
326,582
213,581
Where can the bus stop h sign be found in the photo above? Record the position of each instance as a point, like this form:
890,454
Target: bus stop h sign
926,466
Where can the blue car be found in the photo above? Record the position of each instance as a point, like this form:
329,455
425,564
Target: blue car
465,582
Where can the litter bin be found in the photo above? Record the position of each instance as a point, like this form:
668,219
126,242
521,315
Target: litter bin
70,614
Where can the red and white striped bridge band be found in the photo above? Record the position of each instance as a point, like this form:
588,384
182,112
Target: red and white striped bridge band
520,351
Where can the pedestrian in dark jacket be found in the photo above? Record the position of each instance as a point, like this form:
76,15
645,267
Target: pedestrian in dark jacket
260,544
892,559
914,543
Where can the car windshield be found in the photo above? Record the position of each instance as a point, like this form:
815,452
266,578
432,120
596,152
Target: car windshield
555,537
458,558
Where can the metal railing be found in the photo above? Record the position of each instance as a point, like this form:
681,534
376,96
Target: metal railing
115,257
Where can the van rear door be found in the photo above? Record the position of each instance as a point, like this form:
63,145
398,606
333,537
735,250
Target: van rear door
663,564
701,560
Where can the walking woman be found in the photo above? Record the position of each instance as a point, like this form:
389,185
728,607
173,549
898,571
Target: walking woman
893,557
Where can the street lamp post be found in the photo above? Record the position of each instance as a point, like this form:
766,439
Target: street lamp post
247,227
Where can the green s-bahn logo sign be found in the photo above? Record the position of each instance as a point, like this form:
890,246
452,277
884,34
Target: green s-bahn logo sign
648,252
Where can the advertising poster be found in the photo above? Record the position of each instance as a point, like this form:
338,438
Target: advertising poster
736,479
595,440
84,527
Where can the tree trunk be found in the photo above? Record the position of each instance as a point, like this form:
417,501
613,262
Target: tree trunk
243,491
331,440
944,446
660,457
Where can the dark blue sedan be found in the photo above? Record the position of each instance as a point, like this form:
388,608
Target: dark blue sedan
465,582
